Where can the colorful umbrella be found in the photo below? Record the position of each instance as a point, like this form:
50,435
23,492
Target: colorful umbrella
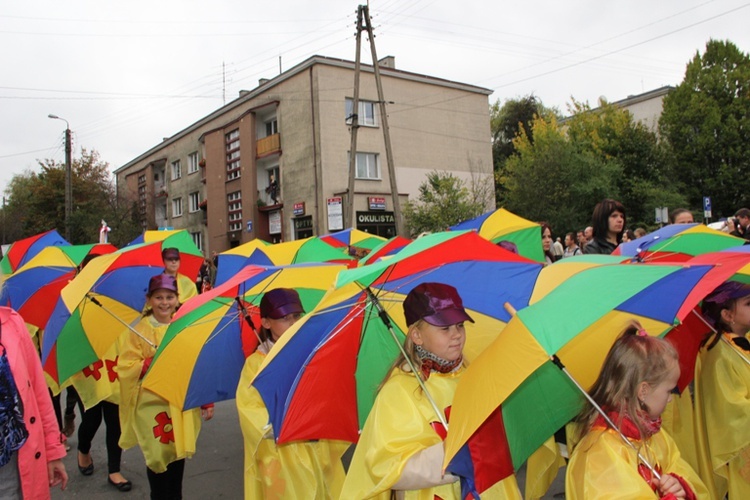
155,235
320,380
575,324
502,225
106,296
678,242
306,250
21,251
387,248
353,238
33,288
204,349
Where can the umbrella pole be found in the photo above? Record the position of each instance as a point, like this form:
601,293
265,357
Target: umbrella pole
95,301
248,319
700,316
387,321
599,409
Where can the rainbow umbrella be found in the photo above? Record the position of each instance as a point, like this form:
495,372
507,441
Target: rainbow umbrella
517,380
234,259
502,225
103,300
33,288
387,248
21,251
320,380
302,251
678,242
353,238
152,236
204,349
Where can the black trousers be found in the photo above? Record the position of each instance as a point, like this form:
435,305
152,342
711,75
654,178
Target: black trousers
168,484
90,422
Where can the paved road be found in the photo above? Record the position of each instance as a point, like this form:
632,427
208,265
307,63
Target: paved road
214,472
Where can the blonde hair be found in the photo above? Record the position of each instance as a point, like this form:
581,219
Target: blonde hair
634,358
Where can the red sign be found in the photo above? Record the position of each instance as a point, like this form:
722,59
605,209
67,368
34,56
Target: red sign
376,202
299,208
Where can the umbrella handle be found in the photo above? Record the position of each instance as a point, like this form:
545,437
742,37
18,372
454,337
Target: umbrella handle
248,319
736,351
387,321
599,409
95,301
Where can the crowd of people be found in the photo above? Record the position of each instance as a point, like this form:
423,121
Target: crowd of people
619,448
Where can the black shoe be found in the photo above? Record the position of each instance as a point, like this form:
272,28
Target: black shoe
126,486
88,470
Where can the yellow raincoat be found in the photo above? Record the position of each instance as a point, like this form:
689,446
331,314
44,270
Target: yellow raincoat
186,288
164,432
99,381
309,469
722,420
603,466
397,429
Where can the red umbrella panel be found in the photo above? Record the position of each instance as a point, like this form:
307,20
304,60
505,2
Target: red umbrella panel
22,251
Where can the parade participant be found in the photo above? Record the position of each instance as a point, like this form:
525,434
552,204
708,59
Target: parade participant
609,223
549,256
185,287
633,388
310,469
32,445
400,451
722,393
165,434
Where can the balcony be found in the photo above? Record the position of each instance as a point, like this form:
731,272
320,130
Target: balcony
160,190
268,145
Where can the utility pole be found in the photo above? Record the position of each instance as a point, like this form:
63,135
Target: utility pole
68,177
355,124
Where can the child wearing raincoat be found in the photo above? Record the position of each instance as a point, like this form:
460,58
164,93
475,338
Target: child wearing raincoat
722,393
310,469
165,433
401,449
633,388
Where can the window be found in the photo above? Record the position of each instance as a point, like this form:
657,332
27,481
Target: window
198,240
177,207
194,201
368,166
234,210
232,141
192,163
366,112
272,127
176,170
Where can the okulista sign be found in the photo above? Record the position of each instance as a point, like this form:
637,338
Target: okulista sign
375,218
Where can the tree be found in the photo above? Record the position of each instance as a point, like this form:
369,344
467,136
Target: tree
444,200
706,120
551,179
36,202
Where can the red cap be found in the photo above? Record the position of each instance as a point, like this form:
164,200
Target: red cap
162,281
279,302
436,303
170,253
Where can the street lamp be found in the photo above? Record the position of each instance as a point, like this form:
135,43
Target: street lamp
68,177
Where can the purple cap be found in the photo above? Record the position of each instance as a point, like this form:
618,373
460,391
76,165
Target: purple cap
727,291
162,281
170,253
436,303
279,302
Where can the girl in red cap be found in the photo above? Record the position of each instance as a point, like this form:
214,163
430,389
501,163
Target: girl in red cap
722,393
294,470
400,451
165,434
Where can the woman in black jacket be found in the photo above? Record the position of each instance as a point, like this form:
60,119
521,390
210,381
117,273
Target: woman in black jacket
608,222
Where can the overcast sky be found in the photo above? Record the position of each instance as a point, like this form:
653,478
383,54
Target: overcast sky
127,74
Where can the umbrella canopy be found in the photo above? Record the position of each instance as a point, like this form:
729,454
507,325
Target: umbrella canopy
321,378
387,248
152,236
80,331
306,250
502,225
21,251
678,242
33,289
576,322
353,238
204,349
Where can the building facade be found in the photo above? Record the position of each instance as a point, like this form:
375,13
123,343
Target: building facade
274,163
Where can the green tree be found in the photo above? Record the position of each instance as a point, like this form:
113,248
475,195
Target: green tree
36,202
706,120
444,200
550,179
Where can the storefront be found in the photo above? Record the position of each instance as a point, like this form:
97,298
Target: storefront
377,222
303,227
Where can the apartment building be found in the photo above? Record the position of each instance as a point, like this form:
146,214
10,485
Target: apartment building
273,163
